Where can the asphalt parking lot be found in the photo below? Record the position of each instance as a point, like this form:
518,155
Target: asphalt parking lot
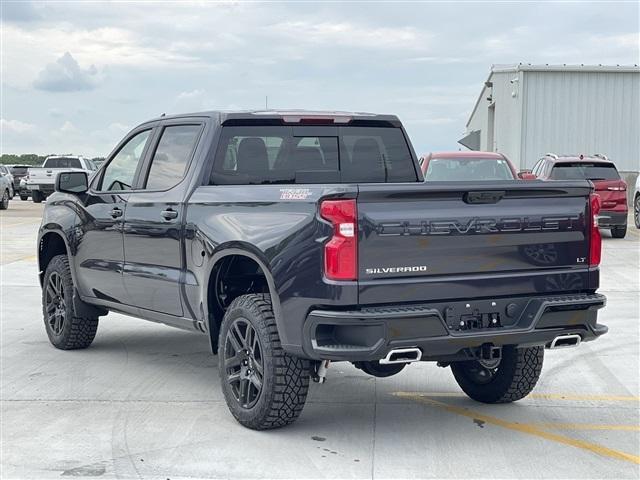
144,402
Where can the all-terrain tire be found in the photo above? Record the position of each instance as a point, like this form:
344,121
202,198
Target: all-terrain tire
619,232
74,331
513,379
4,200
636,211
37,196
285,378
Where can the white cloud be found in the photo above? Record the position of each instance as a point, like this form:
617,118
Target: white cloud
68,127
351,34
16,126
65,75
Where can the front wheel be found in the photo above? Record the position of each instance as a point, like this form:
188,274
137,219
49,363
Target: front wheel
66,329
264,387
513,378
37,196
619,232
24,198
636,211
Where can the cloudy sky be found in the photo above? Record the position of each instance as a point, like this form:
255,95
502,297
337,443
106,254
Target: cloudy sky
77,75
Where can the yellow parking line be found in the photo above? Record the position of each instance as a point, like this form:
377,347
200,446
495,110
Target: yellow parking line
587,398
552,396
524,428
587,426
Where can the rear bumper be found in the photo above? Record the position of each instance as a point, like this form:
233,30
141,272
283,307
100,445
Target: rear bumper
46,188
445,331
609,218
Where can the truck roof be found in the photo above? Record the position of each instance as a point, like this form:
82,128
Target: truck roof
465,154
64,156
289,116
579,158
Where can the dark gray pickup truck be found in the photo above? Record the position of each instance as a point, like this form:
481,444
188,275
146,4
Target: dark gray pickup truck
294,239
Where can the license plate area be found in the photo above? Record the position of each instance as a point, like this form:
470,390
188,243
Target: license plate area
484,315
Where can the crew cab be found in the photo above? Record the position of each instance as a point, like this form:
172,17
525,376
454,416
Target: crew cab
40,181
468,165
603,173
295,239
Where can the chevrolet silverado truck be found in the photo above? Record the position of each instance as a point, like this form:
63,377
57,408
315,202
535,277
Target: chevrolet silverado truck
40,181
296,239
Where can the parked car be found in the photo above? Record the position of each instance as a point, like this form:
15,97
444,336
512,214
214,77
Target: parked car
468,166
6,172
294,239
19,172
40,181
636,203
603,173
5,192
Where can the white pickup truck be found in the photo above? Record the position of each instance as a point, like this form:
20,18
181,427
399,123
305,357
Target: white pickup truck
41,181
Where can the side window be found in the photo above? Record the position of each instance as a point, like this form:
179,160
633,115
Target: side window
118,175
170,159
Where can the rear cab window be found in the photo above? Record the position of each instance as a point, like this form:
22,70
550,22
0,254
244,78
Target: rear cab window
584,171
62,162
467,169
270,154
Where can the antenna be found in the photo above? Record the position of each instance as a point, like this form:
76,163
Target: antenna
266,102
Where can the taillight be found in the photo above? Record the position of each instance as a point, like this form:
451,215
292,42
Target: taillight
341,252
595,240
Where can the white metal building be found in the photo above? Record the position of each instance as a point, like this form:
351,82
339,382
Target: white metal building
525,111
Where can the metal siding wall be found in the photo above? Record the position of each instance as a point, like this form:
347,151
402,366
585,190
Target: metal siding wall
582,112
507,116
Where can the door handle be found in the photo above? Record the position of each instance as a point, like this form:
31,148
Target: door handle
169,214
116,212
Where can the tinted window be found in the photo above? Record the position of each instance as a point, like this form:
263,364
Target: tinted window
584,170
172,155
280,154
118,175
62,162
467,169
19,170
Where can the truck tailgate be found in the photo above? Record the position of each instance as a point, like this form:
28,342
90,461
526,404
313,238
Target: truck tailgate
474,239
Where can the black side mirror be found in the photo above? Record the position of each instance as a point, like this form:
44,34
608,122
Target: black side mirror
72,182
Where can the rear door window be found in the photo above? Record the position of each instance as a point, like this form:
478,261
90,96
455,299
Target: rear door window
313,154
169,162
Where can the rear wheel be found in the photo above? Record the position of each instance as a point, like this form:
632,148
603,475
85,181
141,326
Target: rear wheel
513,378
4,200
619,232
264,387
65,328
37,196
636,211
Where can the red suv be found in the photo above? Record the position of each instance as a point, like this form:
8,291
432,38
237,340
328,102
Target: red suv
604,175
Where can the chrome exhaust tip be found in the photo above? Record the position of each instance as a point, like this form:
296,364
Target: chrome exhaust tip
565,341
402,355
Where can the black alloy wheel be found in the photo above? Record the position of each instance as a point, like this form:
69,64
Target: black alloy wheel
55,303
243,363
